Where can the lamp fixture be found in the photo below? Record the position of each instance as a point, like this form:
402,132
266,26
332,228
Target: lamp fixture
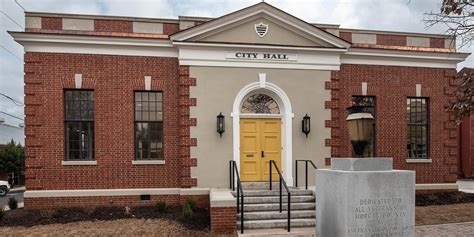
306,125
359,124
220,124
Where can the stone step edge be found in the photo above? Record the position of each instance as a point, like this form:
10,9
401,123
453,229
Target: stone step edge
279,220
277,204
284,211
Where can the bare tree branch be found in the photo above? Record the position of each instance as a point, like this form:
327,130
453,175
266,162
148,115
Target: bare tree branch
458,17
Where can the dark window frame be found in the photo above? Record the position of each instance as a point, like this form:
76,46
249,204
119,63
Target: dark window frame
374,128
426,125
135,122
80,122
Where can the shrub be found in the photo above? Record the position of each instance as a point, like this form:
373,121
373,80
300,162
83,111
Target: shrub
187,211
160,206
12,203
191,202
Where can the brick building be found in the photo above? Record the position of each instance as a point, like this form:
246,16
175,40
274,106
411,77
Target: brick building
118,108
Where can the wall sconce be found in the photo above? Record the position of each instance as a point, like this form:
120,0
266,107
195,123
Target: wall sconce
220,124
306,125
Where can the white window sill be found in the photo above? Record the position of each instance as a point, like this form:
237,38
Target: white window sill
76,162
148,162
419,161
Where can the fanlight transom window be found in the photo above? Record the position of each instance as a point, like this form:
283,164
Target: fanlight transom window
260,104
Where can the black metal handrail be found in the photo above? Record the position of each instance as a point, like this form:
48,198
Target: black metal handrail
306,171
234,171
282,181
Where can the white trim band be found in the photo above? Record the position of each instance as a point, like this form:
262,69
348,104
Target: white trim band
402,58
440,186
49,43
222,198
114,192
148,162
76,162
419,161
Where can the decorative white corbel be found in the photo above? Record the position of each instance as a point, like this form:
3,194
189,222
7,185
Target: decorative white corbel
418,90
147,83
78,81
262,77
364,88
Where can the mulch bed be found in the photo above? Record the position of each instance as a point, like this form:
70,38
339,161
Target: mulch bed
20,217
444,198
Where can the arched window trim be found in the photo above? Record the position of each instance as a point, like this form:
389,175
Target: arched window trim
260,103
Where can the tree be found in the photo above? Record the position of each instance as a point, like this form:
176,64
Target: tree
458,17
12,157
463,102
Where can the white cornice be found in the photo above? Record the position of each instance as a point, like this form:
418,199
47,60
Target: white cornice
216,55
52,43
261,8
213,54
402,58
256,46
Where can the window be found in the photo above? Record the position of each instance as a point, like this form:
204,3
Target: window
149,126
79,124
260,104
370,102
418,128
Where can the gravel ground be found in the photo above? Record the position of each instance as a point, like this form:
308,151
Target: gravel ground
123,227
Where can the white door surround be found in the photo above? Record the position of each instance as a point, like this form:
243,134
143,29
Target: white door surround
286,115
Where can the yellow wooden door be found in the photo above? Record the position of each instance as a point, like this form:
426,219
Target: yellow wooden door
260,142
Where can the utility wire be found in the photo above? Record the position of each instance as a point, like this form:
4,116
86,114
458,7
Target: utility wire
17,3
13,112
12,115
11,19
16,102
12,53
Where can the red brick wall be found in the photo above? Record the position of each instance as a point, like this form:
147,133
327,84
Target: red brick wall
346,36
170,28
391,86
51,23
436,43
113,26
114,79
472,144
396,40
202,201
223,219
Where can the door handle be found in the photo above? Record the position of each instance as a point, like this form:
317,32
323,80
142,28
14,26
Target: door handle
263,154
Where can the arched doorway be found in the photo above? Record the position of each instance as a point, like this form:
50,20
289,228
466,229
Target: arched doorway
262,119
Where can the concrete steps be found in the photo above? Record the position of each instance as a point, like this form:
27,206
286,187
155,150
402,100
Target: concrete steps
265,215
278,223
265,193
276,199
262,207
276,206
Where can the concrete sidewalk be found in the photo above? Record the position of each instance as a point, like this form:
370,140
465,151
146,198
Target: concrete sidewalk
17,189
466,185
454,229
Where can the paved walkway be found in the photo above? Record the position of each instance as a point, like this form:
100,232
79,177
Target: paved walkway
456,229
446,230
466,185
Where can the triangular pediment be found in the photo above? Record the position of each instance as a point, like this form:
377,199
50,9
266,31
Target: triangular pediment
276,27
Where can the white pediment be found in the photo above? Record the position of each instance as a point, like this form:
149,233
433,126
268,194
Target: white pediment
240,27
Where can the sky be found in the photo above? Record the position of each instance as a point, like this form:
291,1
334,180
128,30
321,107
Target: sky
393,15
